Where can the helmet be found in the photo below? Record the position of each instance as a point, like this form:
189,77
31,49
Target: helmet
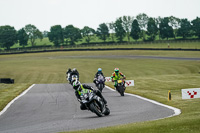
74,69
99,69
116,70
69,69
76,84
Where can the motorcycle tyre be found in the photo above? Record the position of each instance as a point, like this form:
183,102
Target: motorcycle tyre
107,112
95,110
121,90
100,87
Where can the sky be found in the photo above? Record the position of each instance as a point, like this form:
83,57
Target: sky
46,13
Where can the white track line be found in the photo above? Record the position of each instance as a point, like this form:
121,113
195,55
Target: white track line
176,110
11,102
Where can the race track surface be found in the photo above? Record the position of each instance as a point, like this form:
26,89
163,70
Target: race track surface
51,108
129,57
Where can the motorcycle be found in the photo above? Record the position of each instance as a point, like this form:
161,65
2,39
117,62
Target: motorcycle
100,82
94,103
120,86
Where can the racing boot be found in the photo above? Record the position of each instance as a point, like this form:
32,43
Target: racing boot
101,96
104,100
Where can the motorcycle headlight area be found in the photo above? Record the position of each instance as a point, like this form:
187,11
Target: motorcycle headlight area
84,101
84,96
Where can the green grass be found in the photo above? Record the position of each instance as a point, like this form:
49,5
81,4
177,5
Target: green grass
38,42
10,91
153,79
185,45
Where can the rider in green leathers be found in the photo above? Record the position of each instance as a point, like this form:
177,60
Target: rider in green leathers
79,87
117,76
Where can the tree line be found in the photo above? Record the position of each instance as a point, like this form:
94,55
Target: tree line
139,27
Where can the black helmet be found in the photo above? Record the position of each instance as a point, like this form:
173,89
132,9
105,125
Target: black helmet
69,69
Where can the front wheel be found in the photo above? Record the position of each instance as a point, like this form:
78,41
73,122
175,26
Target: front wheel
121,90
96,109
107,112
100,87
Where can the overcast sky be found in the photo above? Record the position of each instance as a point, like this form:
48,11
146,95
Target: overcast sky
46,13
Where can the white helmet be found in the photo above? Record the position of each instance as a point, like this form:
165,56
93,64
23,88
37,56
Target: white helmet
76,85
74,69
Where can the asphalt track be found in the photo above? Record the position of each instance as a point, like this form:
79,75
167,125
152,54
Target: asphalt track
50,108
129,57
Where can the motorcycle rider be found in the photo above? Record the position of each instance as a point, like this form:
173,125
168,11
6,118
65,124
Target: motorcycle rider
78,87
116,76
74,72
99,72
68,73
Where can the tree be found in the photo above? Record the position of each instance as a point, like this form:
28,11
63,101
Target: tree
152,29
142,19
8,36
45,33
185,28
103,31
196,26
112,29
56,35
175,24
72,33
33,33
158,21
119,30
135,30
127,22
87,32
166,31
22,37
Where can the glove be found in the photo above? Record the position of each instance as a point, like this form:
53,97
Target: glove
92,88
79,89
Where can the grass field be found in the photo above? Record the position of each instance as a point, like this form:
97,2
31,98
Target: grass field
153,79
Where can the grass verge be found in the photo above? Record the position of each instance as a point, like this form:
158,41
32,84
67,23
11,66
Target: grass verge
9,91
